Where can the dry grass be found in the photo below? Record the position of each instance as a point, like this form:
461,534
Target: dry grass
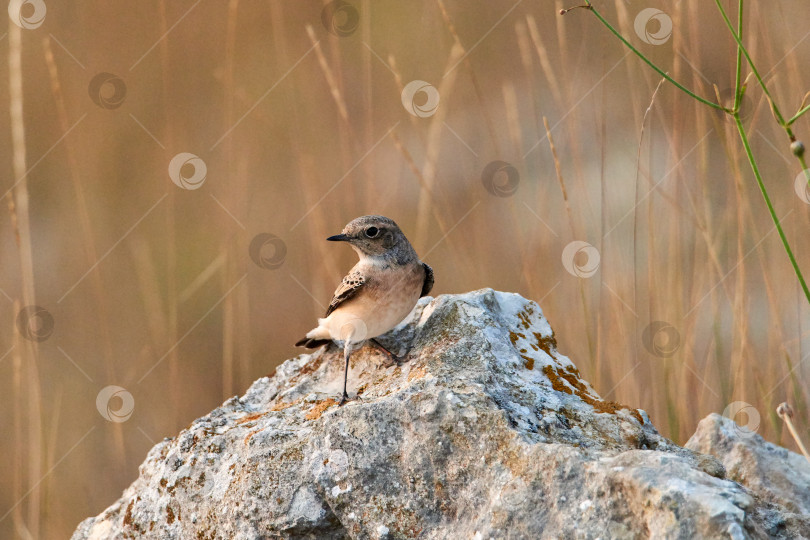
673,210
785,412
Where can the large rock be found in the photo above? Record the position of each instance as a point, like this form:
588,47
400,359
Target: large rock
486,432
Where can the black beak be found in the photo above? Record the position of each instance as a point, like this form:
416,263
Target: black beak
338,238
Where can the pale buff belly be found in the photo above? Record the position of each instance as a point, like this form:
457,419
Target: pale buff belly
382,304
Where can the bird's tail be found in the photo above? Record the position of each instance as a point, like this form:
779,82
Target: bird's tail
315,338
311,343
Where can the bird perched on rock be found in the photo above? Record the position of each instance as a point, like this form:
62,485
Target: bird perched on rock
377,294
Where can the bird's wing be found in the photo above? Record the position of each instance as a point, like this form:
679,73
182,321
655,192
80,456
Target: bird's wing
428,283
349,287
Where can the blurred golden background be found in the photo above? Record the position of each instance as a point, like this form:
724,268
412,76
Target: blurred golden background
295,119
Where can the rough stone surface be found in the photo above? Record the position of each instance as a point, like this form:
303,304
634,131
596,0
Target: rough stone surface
773,473
486,432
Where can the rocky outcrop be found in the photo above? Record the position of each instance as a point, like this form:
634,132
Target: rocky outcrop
487,431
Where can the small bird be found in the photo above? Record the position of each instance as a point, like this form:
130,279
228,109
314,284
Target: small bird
377,294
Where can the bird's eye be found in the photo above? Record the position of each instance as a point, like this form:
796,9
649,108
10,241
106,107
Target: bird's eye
371,232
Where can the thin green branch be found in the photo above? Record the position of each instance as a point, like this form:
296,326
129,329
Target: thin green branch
649,63
737,86
739,89
741,48
774,217
798,115
805,170
779,118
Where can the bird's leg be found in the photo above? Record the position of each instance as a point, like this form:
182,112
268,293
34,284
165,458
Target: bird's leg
398,360
347,352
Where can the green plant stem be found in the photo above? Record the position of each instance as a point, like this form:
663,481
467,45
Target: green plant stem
774,217
735,113
741,48
744,137
652,65
738,92
798,115
805,170
779,118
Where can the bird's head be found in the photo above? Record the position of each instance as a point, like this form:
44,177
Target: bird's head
377,237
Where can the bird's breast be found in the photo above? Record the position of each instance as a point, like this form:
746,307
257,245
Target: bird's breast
386,299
